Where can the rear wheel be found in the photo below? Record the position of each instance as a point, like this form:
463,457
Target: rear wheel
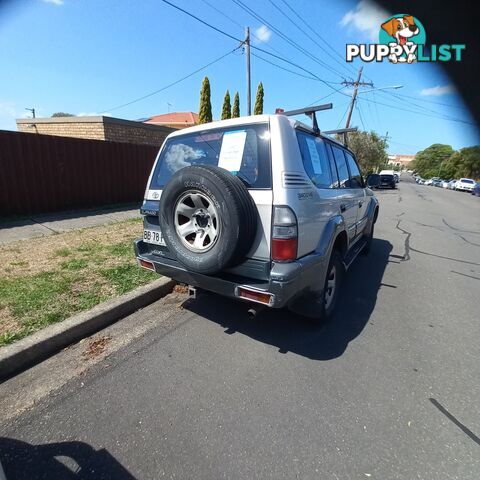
333,281
368,238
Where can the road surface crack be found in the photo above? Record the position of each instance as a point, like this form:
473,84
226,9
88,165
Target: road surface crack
406,255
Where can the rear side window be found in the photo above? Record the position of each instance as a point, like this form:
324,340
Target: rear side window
243,150
342,169
355,176
315,159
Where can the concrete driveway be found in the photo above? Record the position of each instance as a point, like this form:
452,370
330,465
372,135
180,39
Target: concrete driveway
387,390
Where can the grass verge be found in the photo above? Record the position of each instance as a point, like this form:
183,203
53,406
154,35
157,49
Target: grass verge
47,279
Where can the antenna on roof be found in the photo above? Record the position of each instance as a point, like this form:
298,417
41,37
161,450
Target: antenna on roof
310,112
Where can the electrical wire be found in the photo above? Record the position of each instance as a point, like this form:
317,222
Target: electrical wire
283,68
428,101
343,65
357,107
173,83
327,83
317,34
285,37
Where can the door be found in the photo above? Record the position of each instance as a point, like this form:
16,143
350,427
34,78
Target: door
348,197
356,183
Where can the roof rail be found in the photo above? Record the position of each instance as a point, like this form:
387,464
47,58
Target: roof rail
310,112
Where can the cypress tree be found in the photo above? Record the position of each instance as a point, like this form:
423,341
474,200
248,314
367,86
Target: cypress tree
227,107
236,106
258,109
205,110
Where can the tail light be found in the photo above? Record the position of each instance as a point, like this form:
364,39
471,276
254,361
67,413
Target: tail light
284,235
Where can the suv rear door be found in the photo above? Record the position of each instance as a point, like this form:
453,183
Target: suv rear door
356,183
348,197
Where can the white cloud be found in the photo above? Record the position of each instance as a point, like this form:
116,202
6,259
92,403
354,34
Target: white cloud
367,18
438,91
54,2
263,33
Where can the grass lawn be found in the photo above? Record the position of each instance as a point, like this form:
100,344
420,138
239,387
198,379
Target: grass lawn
47,279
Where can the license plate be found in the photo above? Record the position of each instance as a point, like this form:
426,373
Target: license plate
153,236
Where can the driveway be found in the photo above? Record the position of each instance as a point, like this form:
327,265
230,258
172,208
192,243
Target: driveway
386,390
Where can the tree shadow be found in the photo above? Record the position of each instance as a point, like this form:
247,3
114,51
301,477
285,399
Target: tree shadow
292,333
63,460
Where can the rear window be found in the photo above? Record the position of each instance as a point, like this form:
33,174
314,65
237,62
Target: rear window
243,150
315,159
466,180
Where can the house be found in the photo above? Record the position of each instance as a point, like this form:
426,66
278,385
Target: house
97,128
174,120
400,160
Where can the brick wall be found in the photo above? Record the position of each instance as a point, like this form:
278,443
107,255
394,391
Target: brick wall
97,128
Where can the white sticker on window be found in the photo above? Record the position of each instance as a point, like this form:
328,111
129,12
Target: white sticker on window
231,153
314,157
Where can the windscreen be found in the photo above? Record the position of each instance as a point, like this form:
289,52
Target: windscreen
242,150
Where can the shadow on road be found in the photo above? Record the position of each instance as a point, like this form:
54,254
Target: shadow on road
63,460
291,333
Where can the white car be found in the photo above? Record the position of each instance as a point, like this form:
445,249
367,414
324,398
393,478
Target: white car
465,184
428,182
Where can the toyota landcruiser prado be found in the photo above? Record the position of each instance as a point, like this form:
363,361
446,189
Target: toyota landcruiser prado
260,208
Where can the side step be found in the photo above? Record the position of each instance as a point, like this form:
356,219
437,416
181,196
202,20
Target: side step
354,252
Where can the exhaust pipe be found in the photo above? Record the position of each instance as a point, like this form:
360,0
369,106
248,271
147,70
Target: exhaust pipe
254,311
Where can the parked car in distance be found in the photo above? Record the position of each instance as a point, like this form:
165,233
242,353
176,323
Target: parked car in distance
476,189
465,184
445,184
438,182
387,180
451,184
219,214
428,182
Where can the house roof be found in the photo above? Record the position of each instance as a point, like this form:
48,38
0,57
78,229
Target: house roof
179,118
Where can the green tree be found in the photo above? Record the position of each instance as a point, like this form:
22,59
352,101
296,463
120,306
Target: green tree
62,114
468,162
370,150
428,162
236,106
258,109
227,107
205,110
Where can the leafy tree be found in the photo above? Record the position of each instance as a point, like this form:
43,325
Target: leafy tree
370,150
205,110
236,106
258,109
227,107
62,114
428,162
467,161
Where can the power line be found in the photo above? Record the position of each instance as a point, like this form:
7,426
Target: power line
327,83
307,35
396,107
240,25
286,69
173,83
284,37
430,101
357,106
343,65
317,34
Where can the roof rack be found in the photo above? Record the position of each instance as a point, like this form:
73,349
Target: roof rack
341,131
310,112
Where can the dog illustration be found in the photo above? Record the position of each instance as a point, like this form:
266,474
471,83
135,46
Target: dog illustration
402,29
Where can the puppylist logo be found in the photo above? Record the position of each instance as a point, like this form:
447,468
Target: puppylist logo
402,39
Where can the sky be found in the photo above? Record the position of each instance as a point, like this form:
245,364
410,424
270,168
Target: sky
90,57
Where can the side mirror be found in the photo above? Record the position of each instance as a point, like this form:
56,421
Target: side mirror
373,180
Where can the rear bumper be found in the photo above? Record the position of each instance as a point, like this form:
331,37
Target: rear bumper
286,281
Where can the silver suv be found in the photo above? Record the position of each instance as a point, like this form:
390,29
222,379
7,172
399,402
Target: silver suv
261,208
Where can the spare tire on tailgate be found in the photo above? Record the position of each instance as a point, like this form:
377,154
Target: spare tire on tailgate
208,218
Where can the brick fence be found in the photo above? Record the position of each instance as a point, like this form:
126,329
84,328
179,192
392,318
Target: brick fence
97,128
44,173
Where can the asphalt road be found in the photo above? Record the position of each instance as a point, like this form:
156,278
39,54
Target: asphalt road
389,389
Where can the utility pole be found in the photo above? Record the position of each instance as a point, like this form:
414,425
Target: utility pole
247,55
355,85
32,110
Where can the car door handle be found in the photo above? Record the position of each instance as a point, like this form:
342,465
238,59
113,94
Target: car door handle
360,203
343,207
